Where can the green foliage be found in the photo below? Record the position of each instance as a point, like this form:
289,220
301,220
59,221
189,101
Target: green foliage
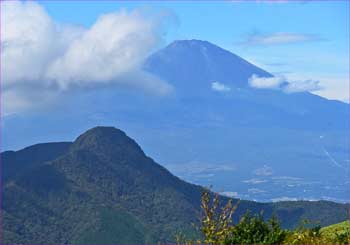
334,234
217,228
305,235
323,213
216,225
338,232
252,229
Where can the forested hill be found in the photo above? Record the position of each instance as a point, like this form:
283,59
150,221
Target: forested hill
102,188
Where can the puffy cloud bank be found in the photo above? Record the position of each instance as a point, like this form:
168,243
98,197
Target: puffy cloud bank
281,83
40,56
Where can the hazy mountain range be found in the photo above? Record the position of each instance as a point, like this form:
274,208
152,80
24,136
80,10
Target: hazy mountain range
103,189
217,126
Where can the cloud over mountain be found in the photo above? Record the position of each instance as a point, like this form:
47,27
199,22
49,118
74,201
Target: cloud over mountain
282,83
301,86
265,82
39,54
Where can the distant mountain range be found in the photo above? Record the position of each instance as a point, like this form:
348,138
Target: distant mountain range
103,189
215,129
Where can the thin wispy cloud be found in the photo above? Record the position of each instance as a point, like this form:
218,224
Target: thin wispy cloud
229,193
284,199
264,171
254,181
283,84
302,86
278,38
220,87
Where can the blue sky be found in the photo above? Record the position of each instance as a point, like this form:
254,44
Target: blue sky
323,55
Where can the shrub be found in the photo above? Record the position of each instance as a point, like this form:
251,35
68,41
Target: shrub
303,235
252,229
216,225
217,228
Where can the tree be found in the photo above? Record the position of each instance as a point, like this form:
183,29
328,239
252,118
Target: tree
215,224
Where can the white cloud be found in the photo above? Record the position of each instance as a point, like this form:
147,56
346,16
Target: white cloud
302,86
286,178
279,38
332,86
114,45
28,38
265,82
254,181
43,56
220,87
195,168
281,83
229,193
284,199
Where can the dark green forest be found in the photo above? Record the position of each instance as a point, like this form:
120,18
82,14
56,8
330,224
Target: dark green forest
103,189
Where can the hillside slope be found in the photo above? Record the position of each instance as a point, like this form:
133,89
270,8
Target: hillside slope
105,190
336,230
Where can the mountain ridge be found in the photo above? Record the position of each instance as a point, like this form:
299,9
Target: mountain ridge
212,64
68,199
296,135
